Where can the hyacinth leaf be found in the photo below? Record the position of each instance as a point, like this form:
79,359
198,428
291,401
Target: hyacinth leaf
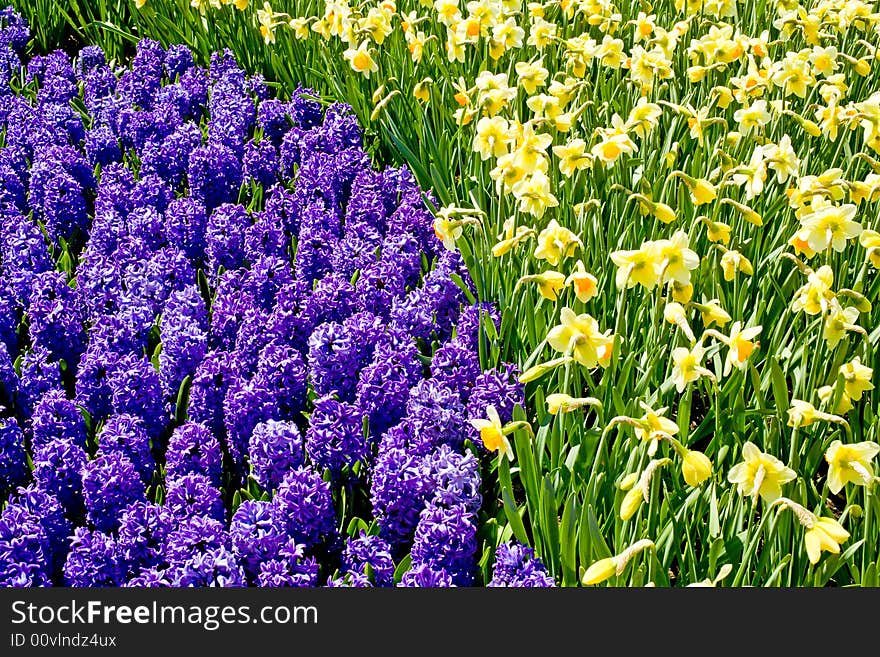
402,567
181,406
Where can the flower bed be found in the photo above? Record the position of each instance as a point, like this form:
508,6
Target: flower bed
231,352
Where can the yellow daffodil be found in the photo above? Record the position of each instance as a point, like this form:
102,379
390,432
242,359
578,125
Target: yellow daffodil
732,262
850,464
760,474
550,283
676,259
492,433
555,243
653,426
821,533
674,314
856,378
741,345
838,321
687,366
511,237
562,403
580,336
492,137
827,535
713,313
815,296
829,226
639,267
701,191
572,157
361,59
870,240
585,285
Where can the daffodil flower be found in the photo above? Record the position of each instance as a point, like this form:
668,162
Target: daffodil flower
760,474
815,296
580,336
687,366
822,533
674,314
803,414
850,464
550,283
585,285
492,433
556,242
741,345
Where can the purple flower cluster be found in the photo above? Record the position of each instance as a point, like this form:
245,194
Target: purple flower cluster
517,566
224,338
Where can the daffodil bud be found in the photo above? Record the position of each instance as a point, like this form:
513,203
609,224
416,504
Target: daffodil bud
599,572
631,503
695,467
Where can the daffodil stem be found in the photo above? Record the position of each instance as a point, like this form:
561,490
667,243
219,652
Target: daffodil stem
866,546
793,451
751,542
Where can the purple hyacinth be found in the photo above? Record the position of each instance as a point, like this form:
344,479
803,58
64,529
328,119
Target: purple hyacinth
436,415
215,175
426,575
369,556
135,389
193,495
110,483
256,535
13,466
457,366
54,316
49,512
213,567
456,479
193,449
208,390
446,539
225,237
56,417
304,504
127,435
290,569
24,549
275,448
517,566
58,467
384,385
338,352
183,330
143,530
400,485
93,560
335,437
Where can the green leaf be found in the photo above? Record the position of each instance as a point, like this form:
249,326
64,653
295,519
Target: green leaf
404,565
